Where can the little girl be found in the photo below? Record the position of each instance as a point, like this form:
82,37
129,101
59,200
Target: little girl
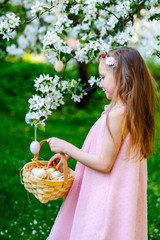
108,198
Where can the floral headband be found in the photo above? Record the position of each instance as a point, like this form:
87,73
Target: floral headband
110,61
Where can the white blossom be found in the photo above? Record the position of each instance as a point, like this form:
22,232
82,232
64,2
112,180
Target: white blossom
151,12
30,33
38,7
93,81
64,85
62,23
13,21
122,8
77,98
75,9
125,36
147,40
22,42
52,38
14,51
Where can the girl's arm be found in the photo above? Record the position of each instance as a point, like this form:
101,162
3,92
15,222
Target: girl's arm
103,162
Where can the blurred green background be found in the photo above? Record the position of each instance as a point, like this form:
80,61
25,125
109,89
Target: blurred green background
22,215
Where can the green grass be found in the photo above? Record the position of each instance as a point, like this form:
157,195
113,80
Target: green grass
23,217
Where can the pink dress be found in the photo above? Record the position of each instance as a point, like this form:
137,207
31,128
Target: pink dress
105,206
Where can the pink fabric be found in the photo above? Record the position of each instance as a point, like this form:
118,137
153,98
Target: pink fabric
105,206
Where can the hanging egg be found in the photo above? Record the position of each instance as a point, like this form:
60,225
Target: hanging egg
58,66
35,147
27,118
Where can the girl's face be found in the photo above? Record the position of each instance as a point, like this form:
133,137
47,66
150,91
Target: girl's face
108,83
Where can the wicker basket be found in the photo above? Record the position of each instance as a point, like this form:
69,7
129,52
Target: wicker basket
47,190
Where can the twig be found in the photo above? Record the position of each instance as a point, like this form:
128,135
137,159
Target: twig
90,88
32,19
127,19
65,66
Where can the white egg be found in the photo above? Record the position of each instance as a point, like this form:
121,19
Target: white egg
35,147
38,172
58,66
33,171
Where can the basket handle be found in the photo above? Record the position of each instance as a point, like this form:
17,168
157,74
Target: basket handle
64,160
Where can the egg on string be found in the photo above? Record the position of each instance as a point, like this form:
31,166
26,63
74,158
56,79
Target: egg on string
27,118
34,147
58,66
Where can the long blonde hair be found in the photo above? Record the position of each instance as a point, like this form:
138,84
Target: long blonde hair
137,90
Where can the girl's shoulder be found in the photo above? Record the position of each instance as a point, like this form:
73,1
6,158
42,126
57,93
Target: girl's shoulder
119,113
118,110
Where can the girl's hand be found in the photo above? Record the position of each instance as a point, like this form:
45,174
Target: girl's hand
57,145
54,158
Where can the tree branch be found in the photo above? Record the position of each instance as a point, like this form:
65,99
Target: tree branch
65,67
32,19
126,19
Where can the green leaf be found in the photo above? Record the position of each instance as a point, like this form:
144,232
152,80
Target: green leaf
20,28
38,51
75,90
38,14
47,9
82,41
41,127
67,9
98,5
82,18
155,16
133,4
80,87
158,37
23,21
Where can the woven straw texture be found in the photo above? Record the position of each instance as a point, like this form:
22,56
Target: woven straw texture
46,190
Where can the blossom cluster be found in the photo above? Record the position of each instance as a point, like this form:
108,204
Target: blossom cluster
51,91
52,43
91,51
148,40
94,80
7,25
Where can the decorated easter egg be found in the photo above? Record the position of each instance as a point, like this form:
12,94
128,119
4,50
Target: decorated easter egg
58,66
27,117
38,172
51,170
35,147
56,174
